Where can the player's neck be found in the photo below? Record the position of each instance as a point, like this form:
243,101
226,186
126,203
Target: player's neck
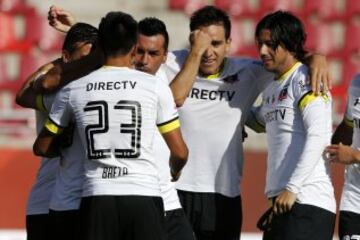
285,67
119,61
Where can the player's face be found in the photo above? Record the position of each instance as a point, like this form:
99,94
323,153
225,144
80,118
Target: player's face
213,58
81,49
277,60
150,53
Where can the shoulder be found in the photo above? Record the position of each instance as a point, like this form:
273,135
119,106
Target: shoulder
300,79
90,77
140,73
355,82
146,79
182,53
238,63
177,57
250,66
161,73
354,87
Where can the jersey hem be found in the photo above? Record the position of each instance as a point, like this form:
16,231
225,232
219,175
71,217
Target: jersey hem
224,192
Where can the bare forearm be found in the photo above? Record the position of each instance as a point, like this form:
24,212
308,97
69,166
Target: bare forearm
178,152
184,80
82,67
26,96
46,145
63,74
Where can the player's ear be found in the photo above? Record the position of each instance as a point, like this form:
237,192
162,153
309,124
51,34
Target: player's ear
87,48
133,51
65,55
133,54
165,57
228,45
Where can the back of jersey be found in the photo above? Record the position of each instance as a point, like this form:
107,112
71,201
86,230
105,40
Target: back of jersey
116,110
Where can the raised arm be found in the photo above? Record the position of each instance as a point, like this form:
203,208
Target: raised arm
184,80
60,19
26,96
63,74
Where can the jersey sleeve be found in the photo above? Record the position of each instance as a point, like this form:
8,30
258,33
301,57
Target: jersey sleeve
174,62
61,112
167,115
255,121
44,102
262,77
39,103
316,116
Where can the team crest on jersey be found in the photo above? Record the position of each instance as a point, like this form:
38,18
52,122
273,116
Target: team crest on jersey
283,93
231,79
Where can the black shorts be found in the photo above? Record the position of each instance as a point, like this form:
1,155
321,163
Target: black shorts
66,224
122,217
212,215
349,225
177,226
39,227
303,222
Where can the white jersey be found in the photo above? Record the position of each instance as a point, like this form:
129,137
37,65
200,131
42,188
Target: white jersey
40,194
350,199
162,155
69,177
298,126
212,120
116,110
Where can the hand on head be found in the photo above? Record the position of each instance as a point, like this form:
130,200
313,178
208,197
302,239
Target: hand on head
200,41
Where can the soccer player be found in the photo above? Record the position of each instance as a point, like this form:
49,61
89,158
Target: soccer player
219,92
51,187
151,53
298,126
215,93
116,109
348,133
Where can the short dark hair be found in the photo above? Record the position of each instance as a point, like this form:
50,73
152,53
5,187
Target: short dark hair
118,33
80,32
210,15
285,29
151,26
